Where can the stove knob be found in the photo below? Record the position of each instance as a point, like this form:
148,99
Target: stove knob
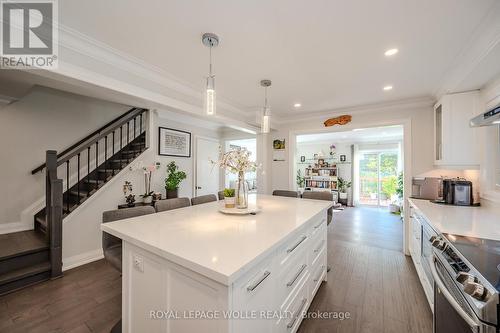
476,290
464,278
436,242
432,239
440,245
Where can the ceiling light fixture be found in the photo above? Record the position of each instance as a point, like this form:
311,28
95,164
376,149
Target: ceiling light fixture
265,126
210,40
387,88
391,52
297,105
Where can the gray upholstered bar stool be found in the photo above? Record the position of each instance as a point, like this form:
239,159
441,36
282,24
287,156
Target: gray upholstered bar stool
112,246
169,204
286,193
203,199
220,194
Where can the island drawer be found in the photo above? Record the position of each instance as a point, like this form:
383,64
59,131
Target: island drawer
318,244
291,277
318,272
295,310
317,225
293,246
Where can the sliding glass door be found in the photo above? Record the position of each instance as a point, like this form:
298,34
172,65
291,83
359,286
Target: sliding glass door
378,173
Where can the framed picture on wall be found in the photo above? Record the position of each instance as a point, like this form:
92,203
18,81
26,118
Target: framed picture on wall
172,142
342,158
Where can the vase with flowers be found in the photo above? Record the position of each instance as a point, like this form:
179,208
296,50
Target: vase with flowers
238,161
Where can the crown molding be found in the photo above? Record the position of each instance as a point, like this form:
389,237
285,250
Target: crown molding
411,103
481,44
129,69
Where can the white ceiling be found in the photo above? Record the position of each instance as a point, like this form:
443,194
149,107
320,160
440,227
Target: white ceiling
374,134
325,54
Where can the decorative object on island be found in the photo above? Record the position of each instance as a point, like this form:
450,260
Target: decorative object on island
343,186
173,180
229,199
172,142
238,162
130,199
341,120
301,180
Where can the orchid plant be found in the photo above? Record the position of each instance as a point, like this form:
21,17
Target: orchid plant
148,171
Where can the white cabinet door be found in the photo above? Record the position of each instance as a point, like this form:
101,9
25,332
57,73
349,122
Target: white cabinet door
455,142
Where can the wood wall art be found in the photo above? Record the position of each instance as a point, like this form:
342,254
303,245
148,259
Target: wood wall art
340,120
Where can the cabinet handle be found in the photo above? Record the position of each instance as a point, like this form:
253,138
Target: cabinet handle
259,281
320,274
319,247
301,307
301,269
319,225
296,245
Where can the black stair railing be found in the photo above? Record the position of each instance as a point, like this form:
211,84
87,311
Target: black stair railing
86,167
54,211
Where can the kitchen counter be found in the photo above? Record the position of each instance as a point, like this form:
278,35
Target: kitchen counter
481,222
218,246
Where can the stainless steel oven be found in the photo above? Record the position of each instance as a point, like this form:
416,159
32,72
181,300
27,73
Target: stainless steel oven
452,312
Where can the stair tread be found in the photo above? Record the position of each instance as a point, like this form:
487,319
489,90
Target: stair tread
23,242
24,272
82,193
93,181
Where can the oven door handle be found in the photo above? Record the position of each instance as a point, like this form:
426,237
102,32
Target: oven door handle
470,321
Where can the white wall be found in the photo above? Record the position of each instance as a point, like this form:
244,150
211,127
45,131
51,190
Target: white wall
44,119
420,120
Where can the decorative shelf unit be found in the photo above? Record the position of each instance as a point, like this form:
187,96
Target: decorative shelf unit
321,178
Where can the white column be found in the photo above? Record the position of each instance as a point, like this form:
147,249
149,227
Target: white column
264,159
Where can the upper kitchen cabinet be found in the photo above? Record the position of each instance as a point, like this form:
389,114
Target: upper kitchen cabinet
455,142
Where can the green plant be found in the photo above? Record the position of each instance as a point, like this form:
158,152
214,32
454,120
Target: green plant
228,192
400,187
389,186
301,180
343,185
174,177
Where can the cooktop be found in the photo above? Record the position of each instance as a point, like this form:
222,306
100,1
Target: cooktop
483,254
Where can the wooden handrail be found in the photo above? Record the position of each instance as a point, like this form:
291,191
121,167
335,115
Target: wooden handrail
93,137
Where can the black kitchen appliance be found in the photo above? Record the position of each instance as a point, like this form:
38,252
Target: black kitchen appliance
466,284
457,192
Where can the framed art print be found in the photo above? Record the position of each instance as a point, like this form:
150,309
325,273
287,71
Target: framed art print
172,142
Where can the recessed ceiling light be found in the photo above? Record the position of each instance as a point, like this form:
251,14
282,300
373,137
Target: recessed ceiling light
391,52
297,105
387,88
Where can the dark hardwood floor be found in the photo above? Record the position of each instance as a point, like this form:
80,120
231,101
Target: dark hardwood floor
86,299
370,278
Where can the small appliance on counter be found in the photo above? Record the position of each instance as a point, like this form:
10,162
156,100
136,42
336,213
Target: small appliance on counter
426,188
458,192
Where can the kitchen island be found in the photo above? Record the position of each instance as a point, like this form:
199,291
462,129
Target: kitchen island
195,269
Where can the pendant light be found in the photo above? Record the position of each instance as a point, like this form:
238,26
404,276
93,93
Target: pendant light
210,40
265,126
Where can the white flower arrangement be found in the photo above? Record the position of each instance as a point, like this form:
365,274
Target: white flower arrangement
236,161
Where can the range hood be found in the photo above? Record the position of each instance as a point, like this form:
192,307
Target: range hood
489,118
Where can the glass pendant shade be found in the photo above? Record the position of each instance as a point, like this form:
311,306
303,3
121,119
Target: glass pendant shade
209,102
266,120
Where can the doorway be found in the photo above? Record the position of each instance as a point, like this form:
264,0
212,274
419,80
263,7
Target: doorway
207,176
378,172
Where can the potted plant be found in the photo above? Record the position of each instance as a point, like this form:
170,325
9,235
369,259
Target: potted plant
148,172
229,199
301,180
343,186
173,180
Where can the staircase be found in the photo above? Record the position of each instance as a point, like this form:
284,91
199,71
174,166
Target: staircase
33,256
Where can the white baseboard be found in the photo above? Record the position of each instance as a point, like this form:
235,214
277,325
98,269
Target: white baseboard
7,228
82,259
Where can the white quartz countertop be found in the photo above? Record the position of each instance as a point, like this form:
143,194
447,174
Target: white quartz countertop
219,246
481,222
